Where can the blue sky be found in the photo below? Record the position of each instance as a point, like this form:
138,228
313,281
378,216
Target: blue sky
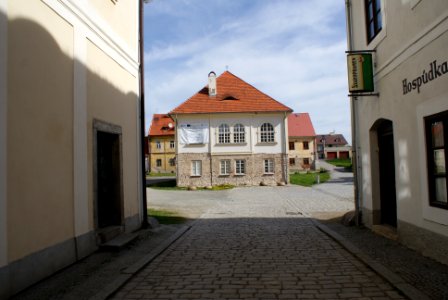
294,51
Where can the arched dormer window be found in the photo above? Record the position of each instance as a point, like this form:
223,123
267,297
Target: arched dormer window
239,135
223,134
267,133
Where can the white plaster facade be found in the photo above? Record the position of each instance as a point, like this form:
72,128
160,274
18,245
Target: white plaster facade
64,65
414,34
252,149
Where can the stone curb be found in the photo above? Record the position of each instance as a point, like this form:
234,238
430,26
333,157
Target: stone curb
137,266
395,280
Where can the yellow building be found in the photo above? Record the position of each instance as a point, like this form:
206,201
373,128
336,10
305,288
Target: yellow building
162,151
301,142
70,163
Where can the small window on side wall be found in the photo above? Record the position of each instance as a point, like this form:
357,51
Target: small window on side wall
374,21
436,127
196,168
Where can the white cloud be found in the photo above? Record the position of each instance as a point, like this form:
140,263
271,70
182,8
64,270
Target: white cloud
291,50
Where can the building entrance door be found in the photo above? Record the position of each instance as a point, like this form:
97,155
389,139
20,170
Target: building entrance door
108,173
388,200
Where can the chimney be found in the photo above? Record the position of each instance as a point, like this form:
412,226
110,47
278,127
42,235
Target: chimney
212,91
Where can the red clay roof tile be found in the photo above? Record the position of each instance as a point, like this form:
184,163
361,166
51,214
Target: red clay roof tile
234,95
160,125
299,124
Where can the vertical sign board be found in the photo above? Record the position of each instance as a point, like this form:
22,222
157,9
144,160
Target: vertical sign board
360,73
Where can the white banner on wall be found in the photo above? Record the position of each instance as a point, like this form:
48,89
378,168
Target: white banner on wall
190,134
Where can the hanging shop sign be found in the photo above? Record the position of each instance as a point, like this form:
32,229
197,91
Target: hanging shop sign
360,73
435,71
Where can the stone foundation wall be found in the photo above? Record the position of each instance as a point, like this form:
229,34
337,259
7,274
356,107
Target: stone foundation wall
211,170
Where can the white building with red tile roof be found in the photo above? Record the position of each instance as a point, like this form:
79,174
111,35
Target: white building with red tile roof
231,133
302,142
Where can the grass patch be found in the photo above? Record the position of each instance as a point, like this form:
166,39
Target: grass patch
171,185
152,174
308,179
166,217
340,162
168,185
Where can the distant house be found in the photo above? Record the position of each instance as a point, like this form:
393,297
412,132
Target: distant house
333,146
161,144
231,133
302,142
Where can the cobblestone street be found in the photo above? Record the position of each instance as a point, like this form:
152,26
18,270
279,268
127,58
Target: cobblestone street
257,243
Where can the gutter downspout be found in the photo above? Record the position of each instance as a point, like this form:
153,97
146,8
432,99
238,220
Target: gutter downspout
348,13
142,118
285,147
210,149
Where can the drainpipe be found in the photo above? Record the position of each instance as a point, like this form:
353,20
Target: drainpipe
142,117
285,149
348,13
210,149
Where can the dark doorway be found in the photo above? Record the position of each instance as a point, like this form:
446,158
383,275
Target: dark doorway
108,173
387,174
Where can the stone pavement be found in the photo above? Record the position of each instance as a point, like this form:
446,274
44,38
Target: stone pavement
257,245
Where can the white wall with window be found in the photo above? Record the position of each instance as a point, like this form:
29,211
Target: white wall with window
411,42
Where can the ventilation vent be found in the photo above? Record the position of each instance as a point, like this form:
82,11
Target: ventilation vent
229,97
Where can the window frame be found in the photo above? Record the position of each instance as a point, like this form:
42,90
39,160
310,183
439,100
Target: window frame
293,160
158,145
306,163
430,148
224,134
158,162
172,162
172,144
239,133
196,168
227,167
293,144
267,133
268,166
240,164
306,145
374,18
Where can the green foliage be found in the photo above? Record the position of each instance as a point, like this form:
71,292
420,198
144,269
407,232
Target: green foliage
153,174
308,179
166,217
340,162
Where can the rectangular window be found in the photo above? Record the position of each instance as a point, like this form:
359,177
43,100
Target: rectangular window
196,168
239,134
292,161
158,162
306,161
240,167
436,128
306,146
291,146
172,162
158,145
374,22
172,144
269,166
225,167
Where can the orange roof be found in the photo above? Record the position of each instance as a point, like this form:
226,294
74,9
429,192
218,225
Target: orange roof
300,125
160,125
234,96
